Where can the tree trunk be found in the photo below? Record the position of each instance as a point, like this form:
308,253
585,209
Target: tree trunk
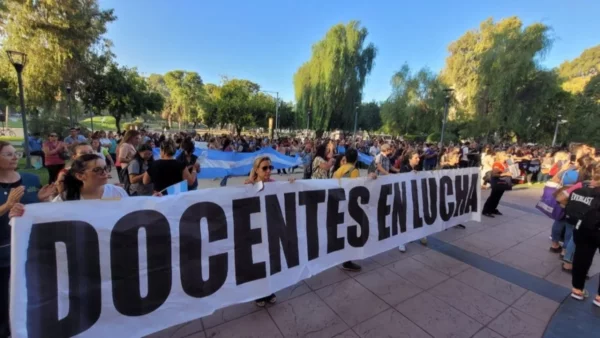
118,122
238,129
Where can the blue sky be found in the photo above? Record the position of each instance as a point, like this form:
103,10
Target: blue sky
266,41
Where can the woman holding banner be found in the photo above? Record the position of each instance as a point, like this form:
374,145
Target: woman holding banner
15,188
261,173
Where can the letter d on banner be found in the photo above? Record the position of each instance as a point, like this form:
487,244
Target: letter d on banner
83,260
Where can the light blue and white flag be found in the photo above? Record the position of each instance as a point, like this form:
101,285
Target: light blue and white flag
219,164
177,188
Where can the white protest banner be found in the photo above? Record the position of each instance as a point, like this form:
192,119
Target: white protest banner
132,267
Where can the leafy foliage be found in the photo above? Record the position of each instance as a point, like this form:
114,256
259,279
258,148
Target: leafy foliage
57,37
416,103
578,72
330,84
498,82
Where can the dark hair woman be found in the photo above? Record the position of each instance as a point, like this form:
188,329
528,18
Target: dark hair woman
190,160
137,168
322,163
167,171
15,189
88,179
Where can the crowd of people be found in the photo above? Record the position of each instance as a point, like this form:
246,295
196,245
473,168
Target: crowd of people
79,169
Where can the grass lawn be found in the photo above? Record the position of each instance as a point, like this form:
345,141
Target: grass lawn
100,123
42,173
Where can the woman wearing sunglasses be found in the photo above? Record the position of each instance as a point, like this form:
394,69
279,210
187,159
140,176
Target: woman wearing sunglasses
55,153
86,180
261,172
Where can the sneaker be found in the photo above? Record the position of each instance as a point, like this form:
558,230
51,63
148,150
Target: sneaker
424,241
350,266
487,214
579,294
402,248
496,212
597,301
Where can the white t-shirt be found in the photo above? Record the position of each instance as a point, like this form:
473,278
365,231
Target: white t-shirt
374,150
465,154
111,192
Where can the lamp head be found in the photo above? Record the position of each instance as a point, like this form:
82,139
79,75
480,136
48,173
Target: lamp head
68,87
18,59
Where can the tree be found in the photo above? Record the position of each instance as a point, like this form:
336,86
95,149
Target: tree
127,93
416,104
330,84
491,68
57,36
369,117
238,102
186,93
210,105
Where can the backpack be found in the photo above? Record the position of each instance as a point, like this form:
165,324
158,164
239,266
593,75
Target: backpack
581,202
373,166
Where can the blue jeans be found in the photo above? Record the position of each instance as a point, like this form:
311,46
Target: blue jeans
557,229
570,250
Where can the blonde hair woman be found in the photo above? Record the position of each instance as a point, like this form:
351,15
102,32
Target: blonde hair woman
261,172
501,181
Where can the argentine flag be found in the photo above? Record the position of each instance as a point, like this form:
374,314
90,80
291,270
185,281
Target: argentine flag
364,158
177,188
219,164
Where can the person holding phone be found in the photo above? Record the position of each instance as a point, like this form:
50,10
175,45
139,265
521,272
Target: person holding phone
190,160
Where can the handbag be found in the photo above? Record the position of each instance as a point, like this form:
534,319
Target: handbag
548,204
503,183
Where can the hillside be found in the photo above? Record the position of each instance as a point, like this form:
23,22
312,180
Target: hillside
577,73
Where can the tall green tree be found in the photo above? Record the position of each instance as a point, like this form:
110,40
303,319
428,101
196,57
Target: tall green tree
416,104
330,84
238,102
491,66
186,93
57,36
369,116
127,94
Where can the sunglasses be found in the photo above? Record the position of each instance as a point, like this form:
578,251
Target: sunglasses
267,168
99,170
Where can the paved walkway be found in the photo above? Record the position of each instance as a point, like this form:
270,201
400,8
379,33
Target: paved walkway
493,279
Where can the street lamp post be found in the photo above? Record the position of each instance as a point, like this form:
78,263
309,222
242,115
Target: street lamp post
559,121
276,106
68,88
355,121
19,60
308,120
448,92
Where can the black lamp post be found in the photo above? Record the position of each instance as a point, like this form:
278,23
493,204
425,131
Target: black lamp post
68,88
308,120
19,60
448,92
355,121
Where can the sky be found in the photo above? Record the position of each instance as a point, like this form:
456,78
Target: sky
265,41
